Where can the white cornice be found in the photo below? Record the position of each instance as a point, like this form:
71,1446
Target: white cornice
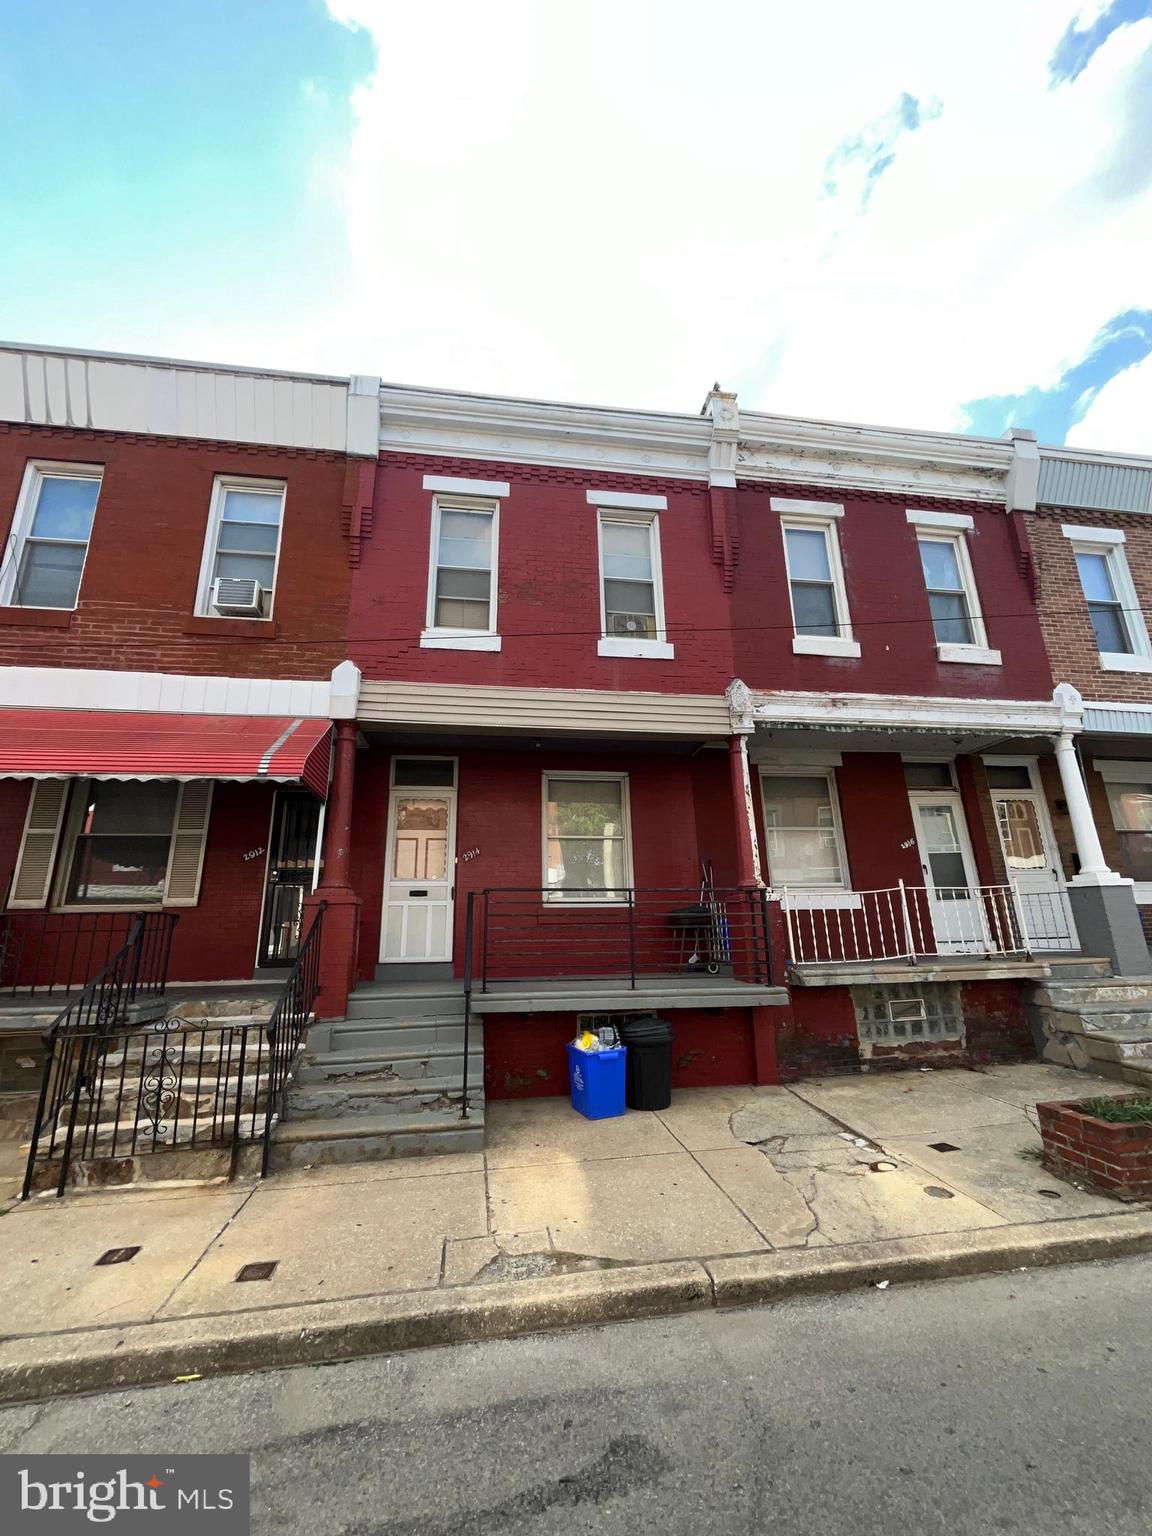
444,424
905,463
885,711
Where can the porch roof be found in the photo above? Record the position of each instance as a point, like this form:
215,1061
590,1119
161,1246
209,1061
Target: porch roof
105,744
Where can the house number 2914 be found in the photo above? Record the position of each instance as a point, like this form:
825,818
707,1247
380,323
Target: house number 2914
253,853
469,854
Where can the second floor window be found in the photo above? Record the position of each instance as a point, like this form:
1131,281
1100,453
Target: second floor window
44,560
238,578
463,593
1113,607
821,626
950,582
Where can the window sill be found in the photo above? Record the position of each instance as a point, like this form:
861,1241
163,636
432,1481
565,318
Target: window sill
1117,661
971,655
639,650
824,645
458,640
38,618
221,628
1142,891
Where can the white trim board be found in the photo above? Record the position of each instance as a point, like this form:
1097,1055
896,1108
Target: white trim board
161,692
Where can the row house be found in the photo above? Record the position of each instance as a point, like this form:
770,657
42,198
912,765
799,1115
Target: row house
558,715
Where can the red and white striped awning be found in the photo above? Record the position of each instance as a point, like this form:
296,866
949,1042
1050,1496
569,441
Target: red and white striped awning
104,744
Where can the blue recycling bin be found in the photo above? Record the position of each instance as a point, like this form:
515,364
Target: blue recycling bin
597,1079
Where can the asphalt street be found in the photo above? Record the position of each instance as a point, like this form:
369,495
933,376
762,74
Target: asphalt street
1020,1402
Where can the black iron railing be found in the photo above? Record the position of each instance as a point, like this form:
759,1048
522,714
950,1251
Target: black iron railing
53,954
112,1089
628,934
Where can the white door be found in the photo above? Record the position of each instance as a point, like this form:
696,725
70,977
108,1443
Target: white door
418,876
1033,867
955,908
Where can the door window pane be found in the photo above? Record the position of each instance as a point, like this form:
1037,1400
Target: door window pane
1020,835
940,840
585,838
1008,776
420,839
120,843
803,848
928,775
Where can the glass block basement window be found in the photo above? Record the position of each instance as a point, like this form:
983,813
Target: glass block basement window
891,1015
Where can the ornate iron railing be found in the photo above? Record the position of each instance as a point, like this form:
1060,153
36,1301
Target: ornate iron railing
112,1089
53,954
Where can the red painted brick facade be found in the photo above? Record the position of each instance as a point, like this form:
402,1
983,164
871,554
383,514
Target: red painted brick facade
138,593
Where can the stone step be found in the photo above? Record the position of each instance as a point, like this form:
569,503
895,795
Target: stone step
367,1138
379,1096
387,1004
1119,1045
1075,994
1095,1017
381,1037
410,1065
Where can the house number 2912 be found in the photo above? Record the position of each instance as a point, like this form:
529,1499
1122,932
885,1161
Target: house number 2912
253,853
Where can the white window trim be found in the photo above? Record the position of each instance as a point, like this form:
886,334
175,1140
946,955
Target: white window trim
947,528
635,501
812,516
1116,770
441,637
452,485
1110,542
615,645
220,486
12,550
567,898
819,896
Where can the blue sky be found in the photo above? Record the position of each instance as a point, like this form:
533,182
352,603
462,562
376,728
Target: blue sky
901,213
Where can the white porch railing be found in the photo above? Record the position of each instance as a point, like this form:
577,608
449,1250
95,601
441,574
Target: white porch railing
909,922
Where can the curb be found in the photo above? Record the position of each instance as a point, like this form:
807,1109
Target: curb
144,1354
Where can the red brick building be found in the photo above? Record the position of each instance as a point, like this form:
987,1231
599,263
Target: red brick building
173,600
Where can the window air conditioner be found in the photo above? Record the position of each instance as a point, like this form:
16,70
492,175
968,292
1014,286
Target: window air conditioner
631,625
243,598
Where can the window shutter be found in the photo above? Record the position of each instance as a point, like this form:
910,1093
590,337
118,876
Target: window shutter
33,877
189,834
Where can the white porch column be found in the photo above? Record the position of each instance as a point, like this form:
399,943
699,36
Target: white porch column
1094,868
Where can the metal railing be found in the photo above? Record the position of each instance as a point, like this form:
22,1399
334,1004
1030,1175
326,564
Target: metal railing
114,1090
624,934
910,922
52,954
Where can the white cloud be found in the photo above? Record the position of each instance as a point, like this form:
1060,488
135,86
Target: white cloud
621,202
1120,417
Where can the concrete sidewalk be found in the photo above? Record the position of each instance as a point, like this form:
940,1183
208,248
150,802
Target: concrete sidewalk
826,1169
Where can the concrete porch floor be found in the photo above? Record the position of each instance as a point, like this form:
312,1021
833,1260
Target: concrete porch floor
723,1171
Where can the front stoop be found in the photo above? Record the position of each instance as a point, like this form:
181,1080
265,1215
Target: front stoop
1101,1025
386,1081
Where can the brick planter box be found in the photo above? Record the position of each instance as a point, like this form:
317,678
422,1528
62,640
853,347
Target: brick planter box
1114,1159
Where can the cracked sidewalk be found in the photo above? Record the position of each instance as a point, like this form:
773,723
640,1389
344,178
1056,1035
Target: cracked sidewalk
722,1173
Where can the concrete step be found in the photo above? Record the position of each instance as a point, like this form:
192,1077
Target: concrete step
1094,1017
1060,993
385,1036
377,1002
411,1065
379,1096
360,1139
1119,1045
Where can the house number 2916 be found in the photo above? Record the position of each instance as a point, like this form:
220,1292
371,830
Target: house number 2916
253,853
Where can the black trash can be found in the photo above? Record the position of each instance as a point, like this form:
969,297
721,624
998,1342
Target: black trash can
648,1068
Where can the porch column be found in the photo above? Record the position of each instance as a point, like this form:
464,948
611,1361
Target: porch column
747,844
342,919
1103,902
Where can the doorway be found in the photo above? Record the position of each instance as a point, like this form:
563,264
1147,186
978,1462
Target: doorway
955,906
1029,848
289,876
420,862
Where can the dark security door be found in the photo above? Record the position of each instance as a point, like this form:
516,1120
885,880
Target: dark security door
291,864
